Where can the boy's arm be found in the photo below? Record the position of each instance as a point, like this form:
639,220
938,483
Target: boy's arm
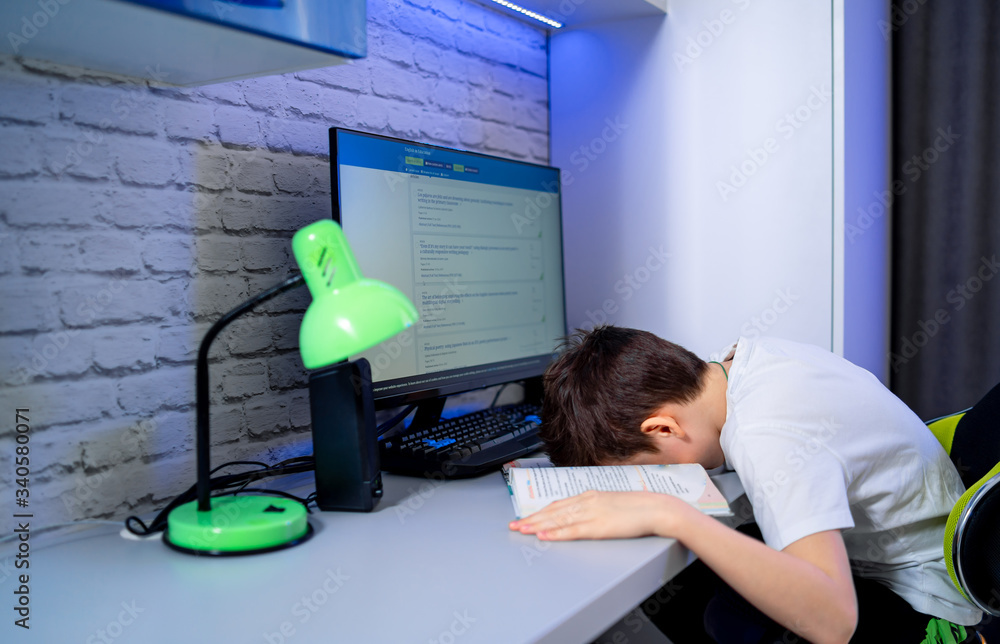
807,587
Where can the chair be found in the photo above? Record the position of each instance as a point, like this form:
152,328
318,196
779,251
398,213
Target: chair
972,534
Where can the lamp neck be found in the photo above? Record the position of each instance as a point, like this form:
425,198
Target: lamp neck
202,388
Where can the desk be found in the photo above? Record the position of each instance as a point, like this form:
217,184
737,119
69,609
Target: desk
434,563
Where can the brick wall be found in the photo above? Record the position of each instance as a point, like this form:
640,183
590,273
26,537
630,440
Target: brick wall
132,216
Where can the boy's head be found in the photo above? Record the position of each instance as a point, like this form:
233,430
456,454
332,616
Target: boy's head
605,385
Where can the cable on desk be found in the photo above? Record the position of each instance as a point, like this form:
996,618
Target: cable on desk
223,485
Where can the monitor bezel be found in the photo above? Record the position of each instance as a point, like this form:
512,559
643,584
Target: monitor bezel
456,383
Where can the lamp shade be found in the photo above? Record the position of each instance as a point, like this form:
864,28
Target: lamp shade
349,313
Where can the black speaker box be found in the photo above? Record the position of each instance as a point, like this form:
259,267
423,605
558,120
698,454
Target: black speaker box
348,475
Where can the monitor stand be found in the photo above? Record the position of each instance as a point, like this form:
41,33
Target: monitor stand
428,413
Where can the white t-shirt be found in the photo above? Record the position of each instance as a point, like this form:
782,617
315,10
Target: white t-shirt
819,444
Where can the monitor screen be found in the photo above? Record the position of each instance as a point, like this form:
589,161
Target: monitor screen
475,241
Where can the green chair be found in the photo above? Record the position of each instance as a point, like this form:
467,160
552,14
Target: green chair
972,535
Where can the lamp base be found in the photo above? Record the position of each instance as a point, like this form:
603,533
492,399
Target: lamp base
238,525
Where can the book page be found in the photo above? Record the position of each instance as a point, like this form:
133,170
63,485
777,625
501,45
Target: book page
533,488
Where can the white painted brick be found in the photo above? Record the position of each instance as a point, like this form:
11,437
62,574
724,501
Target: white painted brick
109,252
427,57
87,301
302,175
77,153
49,251
217,254
227,426
26,98
298,411
286,371
531,61
450,9
52,204
451,95
146,163
392,46
399,84
354,76
213,295
249,335
295,300
134,207
285,329
473,15
532,116
28,304
230,93
65,352
404,122
190,121
205,167
77,401
242,379
470,132
311,100
496,107
505,139
164,388
265,93
111,443
373,113
238,127
116,348
539,147
17,368
265,253
266,417
299,137
435,126
284,214
253,173
207,207
130,110
422,24
10,254
21,151
167,253
180,343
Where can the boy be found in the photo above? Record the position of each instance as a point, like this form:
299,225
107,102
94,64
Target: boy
842,476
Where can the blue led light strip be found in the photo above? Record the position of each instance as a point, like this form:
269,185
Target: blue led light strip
531,14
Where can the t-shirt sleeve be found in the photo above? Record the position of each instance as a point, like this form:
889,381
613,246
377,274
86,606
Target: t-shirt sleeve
796,484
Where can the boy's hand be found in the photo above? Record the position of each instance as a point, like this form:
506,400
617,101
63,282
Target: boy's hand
605,515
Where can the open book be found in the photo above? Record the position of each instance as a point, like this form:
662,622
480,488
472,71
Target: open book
534,483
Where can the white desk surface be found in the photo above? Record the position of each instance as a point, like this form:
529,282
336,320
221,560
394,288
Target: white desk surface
434,562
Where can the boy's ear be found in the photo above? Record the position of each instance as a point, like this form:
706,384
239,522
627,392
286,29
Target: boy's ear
661,425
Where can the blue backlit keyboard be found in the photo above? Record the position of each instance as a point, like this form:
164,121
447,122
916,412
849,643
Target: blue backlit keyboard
466,446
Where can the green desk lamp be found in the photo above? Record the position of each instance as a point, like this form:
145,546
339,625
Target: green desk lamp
348,314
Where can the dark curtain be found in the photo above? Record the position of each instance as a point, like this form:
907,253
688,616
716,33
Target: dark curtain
945,346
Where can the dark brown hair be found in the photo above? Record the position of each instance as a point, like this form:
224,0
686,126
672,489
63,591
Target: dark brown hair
604,385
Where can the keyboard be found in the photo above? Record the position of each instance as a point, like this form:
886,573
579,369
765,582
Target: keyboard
467,446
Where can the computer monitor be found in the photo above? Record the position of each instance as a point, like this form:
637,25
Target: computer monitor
475,241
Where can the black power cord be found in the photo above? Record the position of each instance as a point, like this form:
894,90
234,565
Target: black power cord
229,484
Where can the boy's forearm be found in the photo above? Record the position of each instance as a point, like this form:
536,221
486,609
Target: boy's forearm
815,603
